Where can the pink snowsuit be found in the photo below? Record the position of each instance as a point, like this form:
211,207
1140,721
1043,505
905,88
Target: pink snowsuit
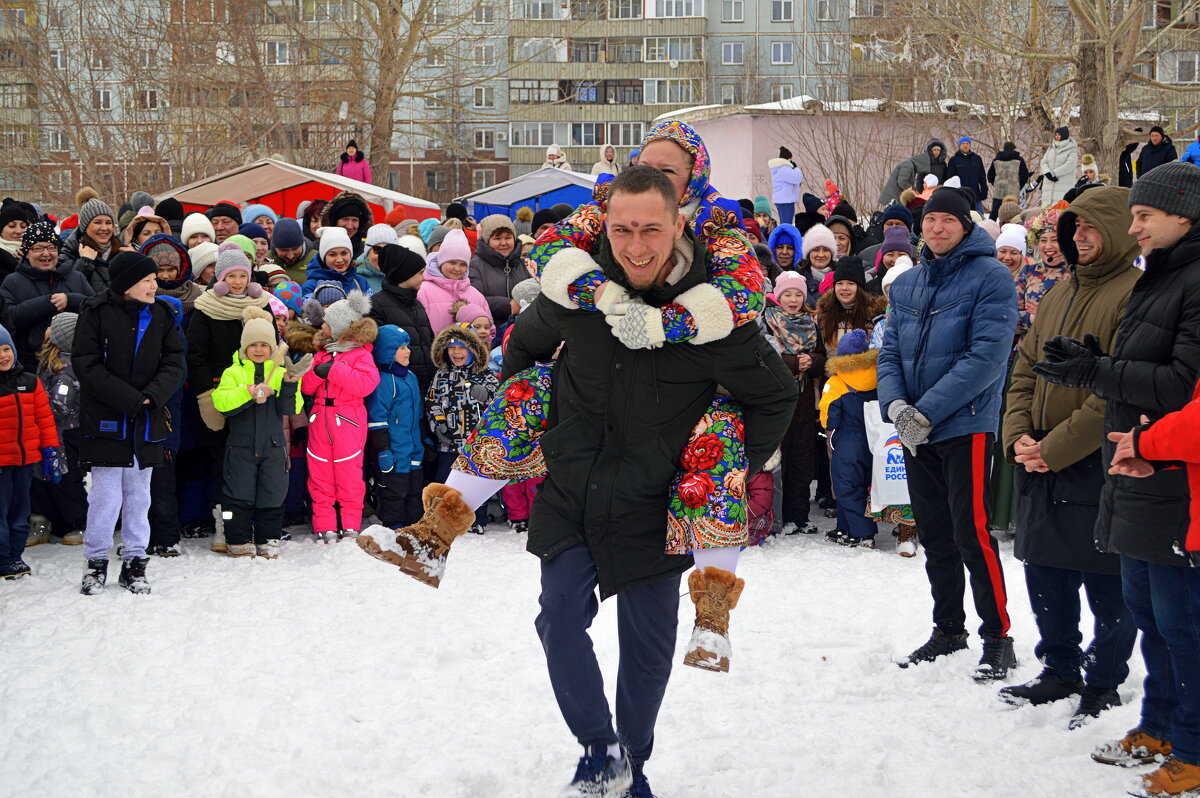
337,432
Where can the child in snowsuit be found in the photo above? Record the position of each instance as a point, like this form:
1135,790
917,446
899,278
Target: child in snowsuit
129,362
343,375
60,509
460,392
851,385
395,448
27,435
255,394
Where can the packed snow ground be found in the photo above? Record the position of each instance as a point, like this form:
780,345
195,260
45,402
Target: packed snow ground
328,673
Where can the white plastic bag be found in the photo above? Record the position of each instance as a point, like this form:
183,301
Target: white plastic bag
889,480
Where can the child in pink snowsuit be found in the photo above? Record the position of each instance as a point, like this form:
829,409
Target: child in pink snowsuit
343,374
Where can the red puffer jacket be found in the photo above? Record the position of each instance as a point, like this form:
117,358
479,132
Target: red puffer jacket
26,421
1176,438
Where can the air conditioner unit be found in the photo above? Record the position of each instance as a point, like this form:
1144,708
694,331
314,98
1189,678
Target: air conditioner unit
501,135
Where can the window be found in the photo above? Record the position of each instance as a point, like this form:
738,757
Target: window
781,53
102,99
528,92
14,16
279,53
677,8
484,53
781,10
485,138
329,11
584,91
733,10
435,57
625,51
147,100
485,97
671,92
825,52
1187,67
731,94
866,8
626,134
586,51
60,182
541,51
825,11
589,9
672,48
57,141
623,92
587,134
625,9
482,178
435,180
435,102
534,9
484,14
536,134
731,53
99,61
144,59
781,91
14,95
58,59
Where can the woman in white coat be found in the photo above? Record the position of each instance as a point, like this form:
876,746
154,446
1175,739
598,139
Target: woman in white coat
1059,165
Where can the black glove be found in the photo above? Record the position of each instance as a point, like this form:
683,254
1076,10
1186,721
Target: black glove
1050,176
322,370
1061,348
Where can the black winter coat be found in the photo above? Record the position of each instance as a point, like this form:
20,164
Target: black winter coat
8,264
1152,156
27,294
494,276
211,344
94,271
399,306
1056,515
1153,370
968,168
117,372
619,420
1125,166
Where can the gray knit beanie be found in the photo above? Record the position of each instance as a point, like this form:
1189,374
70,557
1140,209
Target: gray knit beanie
1172,188
93,208
524,292
62,330
436,236
341,314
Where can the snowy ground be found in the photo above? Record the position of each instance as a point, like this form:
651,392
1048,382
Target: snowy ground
327,673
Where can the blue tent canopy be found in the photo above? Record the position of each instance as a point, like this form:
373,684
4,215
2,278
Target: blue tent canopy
535,190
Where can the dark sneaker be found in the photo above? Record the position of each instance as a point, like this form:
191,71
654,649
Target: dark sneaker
939,645
197,530
640,787
14,569
998,659
849,541
95,576
476,529
1046,688
598,775
1092,702
826,503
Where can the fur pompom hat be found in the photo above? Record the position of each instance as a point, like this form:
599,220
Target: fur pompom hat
347,316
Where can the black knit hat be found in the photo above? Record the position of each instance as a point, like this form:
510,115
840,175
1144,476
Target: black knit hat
353,144
953,201
14,210
127,268
224,209
1158,129
456,210
1063,132
544,216
41,232
170,209
850,267
399,263
785,153
747,205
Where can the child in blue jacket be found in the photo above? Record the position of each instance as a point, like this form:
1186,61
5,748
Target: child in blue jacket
850,386
394,447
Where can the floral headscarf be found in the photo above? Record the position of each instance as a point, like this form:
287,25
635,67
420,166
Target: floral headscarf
712,210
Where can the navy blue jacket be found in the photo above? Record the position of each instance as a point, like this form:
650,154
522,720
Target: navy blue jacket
946,348
968,168
350,280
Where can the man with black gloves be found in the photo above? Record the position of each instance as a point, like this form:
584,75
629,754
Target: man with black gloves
941,373
1151,372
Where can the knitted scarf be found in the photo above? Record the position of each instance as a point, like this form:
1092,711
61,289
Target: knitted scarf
797,333
228,307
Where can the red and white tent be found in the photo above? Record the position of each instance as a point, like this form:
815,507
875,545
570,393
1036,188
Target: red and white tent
283,186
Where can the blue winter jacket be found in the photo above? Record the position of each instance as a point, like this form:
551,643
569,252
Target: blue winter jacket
948,338
394,406
350,279
1192,154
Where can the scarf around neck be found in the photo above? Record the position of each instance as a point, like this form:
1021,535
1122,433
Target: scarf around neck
228,307
796,333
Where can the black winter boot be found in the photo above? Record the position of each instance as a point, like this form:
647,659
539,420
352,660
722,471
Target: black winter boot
95,577
939,644
1092,702
997,660
1046,688
133,575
